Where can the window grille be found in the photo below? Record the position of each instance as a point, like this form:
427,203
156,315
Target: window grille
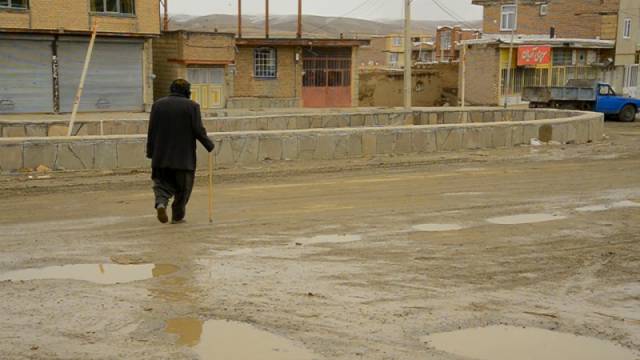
113,6
562,56
627,28
14,4
265,63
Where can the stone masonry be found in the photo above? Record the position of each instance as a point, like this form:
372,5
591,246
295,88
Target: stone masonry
246,148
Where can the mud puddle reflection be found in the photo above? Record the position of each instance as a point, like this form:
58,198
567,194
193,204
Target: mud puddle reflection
508,343
437,227
617,205
95,273
228,340
328,239
525,219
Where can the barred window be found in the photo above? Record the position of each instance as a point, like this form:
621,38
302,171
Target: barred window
562,56
265,63
14,4
113,6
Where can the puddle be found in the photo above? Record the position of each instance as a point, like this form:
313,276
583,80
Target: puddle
228,340
525,219
437,227
617,205
95,273
508,343
329,239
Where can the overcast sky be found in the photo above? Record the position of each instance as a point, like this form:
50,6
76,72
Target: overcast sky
365,9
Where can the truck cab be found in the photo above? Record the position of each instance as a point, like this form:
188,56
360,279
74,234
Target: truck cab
608,103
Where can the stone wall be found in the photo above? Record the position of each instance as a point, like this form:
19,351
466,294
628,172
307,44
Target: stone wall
28,128
262,103
245,148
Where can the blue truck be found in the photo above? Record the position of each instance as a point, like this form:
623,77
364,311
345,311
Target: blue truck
584,95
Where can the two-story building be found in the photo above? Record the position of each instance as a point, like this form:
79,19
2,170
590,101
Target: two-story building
572,39
43,44
387,51
448,39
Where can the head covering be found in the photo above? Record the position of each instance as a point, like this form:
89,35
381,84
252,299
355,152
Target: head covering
181,87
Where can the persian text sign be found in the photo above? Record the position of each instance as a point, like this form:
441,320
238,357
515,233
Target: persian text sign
534,55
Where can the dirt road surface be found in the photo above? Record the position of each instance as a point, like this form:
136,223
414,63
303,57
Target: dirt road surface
342,263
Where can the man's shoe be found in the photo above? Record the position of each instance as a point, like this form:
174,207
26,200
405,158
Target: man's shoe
178,222
162,214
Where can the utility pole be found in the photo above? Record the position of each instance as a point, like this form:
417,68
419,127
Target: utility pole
266,19
463,64
165,21
408,48
239,19
513,35
299,33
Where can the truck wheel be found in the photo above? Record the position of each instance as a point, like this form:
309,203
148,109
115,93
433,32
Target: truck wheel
627,114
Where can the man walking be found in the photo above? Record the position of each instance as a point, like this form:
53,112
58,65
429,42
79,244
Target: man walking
174,126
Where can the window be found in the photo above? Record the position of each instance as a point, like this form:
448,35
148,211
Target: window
14,4
605,90
397,41
627,28
445,39
508,18
562,56
393,59
544,9
265,63
113,6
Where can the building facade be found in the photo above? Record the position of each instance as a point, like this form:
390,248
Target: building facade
229,72
609,28
448,40
582,19
43,44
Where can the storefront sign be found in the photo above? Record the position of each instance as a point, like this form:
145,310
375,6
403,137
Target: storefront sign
534,55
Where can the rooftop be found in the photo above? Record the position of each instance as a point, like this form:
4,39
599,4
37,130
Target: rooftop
505,40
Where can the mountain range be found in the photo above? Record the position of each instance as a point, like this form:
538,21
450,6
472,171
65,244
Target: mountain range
313,26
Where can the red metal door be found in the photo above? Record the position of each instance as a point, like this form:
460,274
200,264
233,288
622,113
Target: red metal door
327,81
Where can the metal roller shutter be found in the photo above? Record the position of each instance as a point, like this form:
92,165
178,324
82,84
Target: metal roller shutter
26,80
114,80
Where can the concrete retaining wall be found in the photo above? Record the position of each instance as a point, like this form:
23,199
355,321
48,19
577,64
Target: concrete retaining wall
245,148
421,116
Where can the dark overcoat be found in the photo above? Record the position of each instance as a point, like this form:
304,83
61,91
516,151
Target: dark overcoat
174,126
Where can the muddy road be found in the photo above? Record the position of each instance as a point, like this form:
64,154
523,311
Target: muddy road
363,263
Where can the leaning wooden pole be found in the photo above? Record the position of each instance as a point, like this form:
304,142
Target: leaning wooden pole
87,60
211,187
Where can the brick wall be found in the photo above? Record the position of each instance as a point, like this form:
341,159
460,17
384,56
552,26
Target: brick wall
165,48
208,47
374,55
14,19
74,15
482,75
288,83
571,18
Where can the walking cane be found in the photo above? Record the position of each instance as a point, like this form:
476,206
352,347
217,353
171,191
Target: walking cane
211,187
